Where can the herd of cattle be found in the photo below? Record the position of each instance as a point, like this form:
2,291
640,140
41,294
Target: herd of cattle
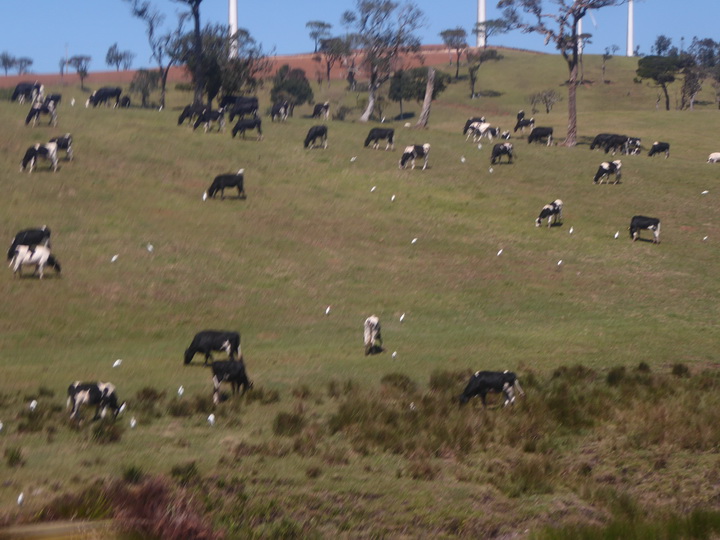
31,247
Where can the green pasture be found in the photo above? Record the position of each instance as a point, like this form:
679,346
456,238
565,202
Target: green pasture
313,233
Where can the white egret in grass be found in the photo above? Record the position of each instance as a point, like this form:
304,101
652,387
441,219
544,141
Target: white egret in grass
122,408
211,420
705,192
560,262
392,199
479,146
571,230
705,238
133,422
205,196
33,405
114,258
402,317
462,159
414,240
353,159
499,252
394,354
150,248
490,170
21,499
181,391
327,310
373,189
1,426
617,233
117,362
72,102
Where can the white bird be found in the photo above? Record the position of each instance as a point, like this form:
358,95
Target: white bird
402,317
150,248
617,233
133,423
181,391
72,102
705,192
479,146
211,419
117,362
21,499
490,170
353,159
392,198
373,189
327,310
499,252
462,159
407,124
705,238
412,405
205,196
122,408
394,354
114,258
1,426
571,230
560,262
33,405
414,240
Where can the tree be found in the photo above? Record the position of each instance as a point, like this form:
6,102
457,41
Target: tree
475,60
385,31
319,30
400,88
333,50
564,36
548,98
22,64
455,39
607,55
114,56
80,64
196,50
662,45
291,85
62,65
143,83
7,61
661,69
492,27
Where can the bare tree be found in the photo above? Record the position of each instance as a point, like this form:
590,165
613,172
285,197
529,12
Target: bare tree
22,64
548,98
7,61
563,35
607,55
80,64
319,30
385,31
455,39
333,50
427,102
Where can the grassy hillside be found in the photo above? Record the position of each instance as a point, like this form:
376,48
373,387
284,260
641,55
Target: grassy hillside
313,233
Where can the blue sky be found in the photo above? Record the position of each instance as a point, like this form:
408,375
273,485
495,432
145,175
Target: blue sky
90,27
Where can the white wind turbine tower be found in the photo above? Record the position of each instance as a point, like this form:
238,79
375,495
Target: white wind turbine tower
482,17
233,24
630,29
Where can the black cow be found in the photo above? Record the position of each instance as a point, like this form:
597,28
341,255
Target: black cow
321,109
102,95
244,124
101,395
606,169
244,106
626,145
601,139
64,142
226,181
411,153
191,111
207,117
378,134
315,133
522,123
125,102
473,120
539,133
214,340
30,237
26,90
638,223
660,147
280,111
484,382
552,211
46,151
228,101
501,149
39,108
232,371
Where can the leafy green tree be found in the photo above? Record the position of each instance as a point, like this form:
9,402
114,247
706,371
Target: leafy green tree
607,55
492,27
81,64
455,39
319,30
333,50
7,61
291,85
194,56
411,84
661,70
144,83
662,46
475,60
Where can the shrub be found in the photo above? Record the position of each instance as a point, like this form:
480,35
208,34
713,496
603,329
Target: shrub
14,457
302,391
180,407
185,474
615,375
448,381
265,397
133,474
400,381
342,112
288,424
107,431
680,370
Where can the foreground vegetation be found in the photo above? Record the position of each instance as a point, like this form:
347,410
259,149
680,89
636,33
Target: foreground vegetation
615,346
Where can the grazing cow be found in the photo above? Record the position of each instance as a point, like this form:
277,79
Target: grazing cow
638,223
26,91
633,146
490,133
321,109
37,256
411,153
659,148
208,117
606,169
244,124
539,133
191,111
214,340
714,157
244,106
483,382
378,134
626,145
39,108
101,96
522,123
279,111
476,130
64,142
232,371
520,115
101,395
552,211
601,140
505,135
314,133
371,335
226,181
501,149
125,102
46,151
473,120
56,98
29,237
227,101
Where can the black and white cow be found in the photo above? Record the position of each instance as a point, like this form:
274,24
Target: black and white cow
501,149
280,111
607,168
411,153
321,110
207,117
378,134
639,223
46,151
101,395
244,124
244,106
372,336
102,95
223,181
231,371
29,237
26,91
484,382
520,115
623,143
601,139
55,98
39,108
539,133
64,142
315,133
190,112
476,130
552,211
470,121
37,256
659,148
523,123
214,340
714,157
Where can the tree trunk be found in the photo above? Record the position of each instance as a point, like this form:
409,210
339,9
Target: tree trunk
370,106
457,66
571,137
199,78
163,83
425,113
667,97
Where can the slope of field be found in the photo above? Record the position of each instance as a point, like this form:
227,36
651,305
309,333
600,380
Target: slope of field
344,228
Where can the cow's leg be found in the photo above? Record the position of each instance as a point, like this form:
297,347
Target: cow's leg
483,394
216,390
425,163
